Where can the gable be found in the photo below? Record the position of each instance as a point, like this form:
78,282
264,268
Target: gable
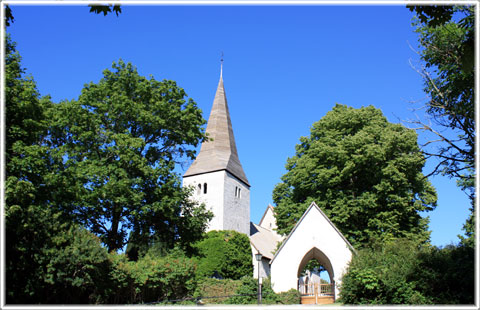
268,220
316,224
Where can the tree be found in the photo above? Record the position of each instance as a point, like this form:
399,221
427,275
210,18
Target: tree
31,183
363,172
225,253
446,42
121,140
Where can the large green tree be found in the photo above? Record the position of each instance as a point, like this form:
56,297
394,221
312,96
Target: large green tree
446,49
121,140
27,179
363,172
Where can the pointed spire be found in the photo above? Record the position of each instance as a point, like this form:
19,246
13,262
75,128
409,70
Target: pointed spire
221,153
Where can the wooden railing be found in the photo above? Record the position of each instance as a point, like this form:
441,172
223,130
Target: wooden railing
318,289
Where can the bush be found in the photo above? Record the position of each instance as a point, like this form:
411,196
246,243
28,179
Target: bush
446,275
209,287
247,294
289,297
380,275
224,253
151,278
403,272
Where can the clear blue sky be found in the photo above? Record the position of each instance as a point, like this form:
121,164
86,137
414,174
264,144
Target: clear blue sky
285,67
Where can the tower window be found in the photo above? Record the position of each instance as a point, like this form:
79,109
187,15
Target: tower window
199,189
237,192
204,188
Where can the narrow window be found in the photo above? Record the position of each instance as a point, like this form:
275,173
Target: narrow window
204,188
199,189
239,193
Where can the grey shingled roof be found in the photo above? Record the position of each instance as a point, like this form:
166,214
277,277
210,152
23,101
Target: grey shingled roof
221,153
264,240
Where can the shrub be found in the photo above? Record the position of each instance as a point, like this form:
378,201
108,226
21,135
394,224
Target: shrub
380,275
446,275
209,287
151,278
403,272
247,294
226,253
289,297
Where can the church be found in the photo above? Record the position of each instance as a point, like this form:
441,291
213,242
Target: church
221,183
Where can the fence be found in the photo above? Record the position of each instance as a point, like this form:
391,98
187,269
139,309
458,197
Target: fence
319,289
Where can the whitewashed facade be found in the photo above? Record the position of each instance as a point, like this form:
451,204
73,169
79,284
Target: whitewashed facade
313,237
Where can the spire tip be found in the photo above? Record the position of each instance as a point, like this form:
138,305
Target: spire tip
221,65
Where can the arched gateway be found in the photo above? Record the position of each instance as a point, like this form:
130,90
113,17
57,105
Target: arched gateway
314,237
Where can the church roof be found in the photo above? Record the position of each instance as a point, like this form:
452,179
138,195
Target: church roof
221,152
264,240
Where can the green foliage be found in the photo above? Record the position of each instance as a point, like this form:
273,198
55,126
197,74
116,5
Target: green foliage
76,268
247,293
447,51
224,252
151,278
210,287
34,191
290,297
403,272
313,264
381,275
363,172
50,261
121,141
55,174
105,8
94,8
447,275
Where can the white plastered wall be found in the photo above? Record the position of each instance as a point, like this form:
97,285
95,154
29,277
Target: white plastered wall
264,265
236,207
314,230
213,199
230,212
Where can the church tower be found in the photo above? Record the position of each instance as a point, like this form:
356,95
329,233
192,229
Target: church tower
217,175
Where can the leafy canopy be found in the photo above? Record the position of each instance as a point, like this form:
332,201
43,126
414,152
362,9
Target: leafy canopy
446,43
363,172
34,187
52,153
121,140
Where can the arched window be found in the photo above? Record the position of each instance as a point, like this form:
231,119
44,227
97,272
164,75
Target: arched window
237,192
204,188
199,189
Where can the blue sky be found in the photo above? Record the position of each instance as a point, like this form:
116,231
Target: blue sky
285,67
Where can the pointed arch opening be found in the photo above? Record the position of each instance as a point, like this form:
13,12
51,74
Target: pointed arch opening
316,277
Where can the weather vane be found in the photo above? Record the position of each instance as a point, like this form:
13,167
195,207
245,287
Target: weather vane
221,65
